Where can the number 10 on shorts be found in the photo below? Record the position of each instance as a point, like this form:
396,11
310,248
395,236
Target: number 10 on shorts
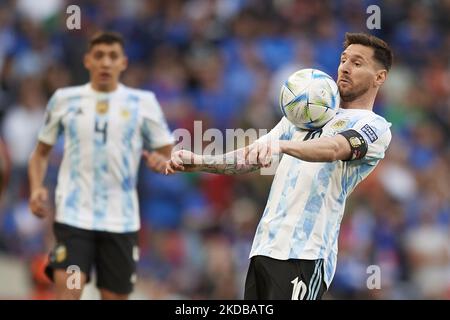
298,290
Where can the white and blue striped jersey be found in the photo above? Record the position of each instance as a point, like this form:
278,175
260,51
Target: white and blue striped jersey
104,134
306,203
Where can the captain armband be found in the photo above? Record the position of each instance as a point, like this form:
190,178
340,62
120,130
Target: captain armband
357,144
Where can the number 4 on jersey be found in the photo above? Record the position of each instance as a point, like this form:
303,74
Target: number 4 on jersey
101,127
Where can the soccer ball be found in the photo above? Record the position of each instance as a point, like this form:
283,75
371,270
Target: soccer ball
309,98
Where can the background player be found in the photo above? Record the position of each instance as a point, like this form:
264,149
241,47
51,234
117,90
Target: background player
105,126
294,251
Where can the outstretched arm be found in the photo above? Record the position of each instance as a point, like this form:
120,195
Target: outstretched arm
230,163
258,155
324,149
235,162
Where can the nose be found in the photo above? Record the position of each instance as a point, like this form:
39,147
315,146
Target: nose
106,62
345,67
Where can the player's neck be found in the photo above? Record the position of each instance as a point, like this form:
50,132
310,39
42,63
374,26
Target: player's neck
104,88
364,102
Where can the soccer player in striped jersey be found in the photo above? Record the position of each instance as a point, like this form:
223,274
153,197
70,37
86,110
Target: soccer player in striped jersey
107,127
295,248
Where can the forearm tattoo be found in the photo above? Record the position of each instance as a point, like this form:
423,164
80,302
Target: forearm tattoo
229,164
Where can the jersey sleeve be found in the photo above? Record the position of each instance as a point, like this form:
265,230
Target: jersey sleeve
377,135
52,127
155,130
282,131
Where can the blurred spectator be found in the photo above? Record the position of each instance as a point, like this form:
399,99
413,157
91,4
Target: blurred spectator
20,130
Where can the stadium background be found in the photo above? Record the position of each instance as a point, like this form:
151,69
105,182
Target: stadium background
222,62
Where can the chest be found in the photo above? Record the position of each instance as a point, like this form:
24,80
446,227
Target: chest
338,124
100,119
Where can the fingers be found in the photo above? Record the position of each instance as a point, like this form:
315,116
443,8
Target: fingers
151,158
43,195
39,203
169,168
181,160
159,164
155,161
37,208
252,155
178,160
40,212
266,160
264,155
258,153
245,154
176,164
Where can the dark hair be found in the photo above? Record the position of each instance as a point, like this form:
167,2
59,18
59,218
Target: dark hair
382,53
107,38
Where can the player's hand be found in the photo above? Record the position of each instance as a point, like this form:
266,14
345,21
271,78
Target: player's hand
39,202
261,153
155,161
182,160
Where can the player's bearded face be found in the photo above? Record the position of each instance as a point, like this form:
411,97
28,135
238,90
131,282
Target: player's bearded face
105,63
355,72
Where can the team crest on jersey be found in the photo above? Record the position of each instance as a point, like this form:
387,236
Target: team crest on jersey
102,106
339,124
60,253
125,113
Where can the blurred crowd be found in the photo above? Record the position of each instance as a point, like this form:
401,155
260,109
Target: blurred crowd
222,62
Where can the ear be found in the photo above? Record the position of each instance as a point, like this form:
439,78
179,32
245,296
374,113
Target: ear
86,61
124,63
380,77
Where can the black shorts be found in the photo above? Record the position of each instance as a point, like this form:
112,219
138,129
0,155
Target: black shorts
293,279
114,256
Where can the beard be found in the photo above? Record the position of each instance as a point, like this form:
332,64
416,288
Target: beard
351,94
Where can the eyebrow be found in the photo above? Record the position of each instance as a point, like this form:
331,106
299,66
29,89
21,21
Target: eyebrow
357,56
105,51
